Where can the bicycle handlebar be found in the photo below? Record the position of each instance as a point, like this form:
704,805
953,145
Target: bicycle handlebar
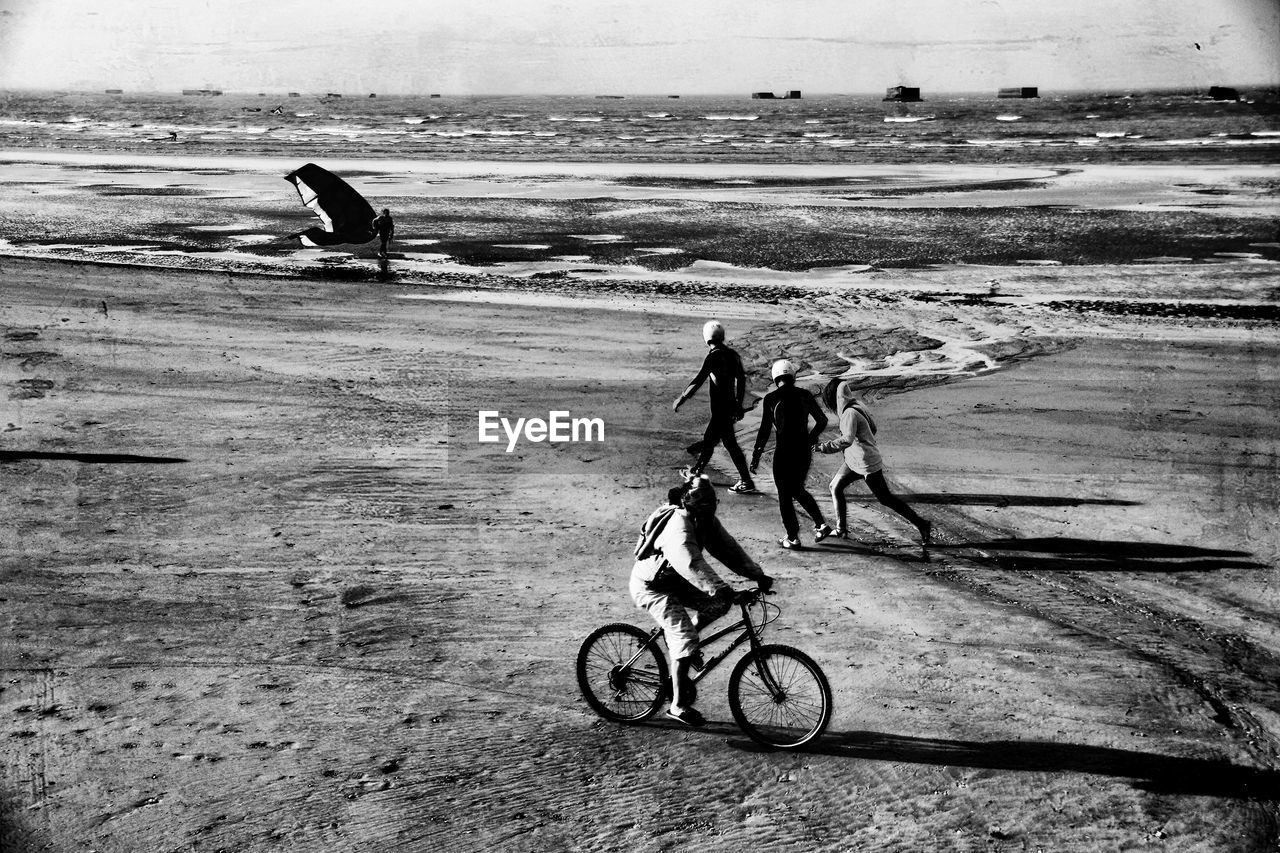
750,596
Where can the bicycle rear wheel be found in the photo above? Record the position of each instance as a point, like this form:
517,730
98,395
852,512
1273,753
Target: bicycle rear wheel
622,678
780,697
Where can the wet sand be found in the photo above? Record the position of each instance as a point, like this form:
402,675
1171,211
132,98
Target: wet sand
264,590
810,225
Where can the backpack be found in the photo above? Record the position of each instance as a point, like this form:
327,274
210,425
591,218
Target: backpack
652,529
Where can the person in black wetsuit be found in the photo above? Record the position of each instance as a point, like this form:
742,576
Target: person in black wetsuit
723,367
787,409
385,228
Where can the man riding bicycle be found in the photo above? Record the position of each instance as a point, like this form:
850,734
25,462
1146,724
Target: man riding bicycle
671,577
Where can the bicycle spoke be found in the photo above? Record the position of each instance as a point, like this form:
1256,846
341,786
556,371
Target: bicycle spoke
621,674
780,697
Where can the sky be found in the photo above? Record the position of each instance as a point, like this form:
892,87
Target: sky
630,47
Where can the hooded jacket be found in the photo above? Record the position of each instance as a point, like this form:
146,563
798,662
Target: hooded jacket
857,434
673,537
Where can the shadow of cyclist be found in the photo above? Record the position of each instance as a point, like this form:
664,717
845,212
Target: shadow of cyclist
1151,772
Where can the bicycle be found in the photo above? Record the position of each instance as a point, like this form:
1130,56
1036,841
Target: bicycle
778,696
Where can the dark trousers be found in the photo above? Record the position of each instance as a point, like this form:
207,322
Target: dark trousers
789,473
876,482
720,430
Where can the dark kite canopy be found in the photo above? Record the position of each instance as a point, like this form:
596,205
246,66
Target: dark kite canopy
347,217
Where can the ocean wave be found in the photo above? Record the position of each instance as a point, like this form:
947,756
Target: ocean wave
811,130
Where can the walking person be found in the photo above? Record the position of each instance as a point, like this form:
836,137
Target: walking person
862,460
670,578
788,409
385,228
723,367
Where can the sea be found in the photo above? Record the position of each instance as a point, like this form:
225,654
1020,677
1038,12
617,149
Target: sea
1144,126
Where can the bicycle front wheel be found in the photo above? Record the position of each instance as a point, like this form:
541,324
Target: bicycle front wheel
780,697
622,675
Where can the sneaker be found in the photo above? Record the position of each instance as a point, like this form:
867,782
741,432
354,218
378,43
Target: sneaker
840,533
791,544
743,487
820,532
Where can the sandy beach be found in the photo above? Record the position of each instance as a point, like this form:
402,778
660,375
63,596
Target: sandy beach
264,589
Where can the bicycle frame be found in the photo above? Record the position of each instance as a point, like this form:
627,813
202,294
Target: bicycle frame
749,633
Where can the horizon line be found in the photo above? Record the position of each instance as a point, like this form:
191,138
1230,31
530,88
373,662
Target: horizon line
747,94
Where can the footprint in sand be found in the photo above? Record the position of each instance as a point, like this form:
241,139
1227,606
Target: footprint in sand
31,389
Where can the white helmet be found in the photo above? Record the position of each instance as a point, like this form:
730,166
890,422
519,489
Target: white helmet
712,330
781,368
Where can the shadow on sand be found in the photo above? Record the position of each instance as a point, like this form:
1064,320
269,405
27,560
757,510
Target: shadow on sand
16,833
985,499
102,458
1155,773
1061,553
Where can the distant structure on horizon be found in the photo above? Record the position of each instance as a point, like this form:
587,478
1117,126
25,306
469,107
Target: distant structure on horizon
294,95
433,95
673,96
1019,92
202,91
115,91
792,95
902,94
610,97
1224,93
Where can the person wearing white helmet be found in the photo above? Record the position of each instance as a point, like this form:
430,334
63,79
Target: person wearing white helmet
787,410
723,367
861,459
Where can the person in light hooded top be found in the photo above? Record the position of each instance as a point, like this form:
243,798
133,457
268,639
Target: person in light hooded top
862,459
671,577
